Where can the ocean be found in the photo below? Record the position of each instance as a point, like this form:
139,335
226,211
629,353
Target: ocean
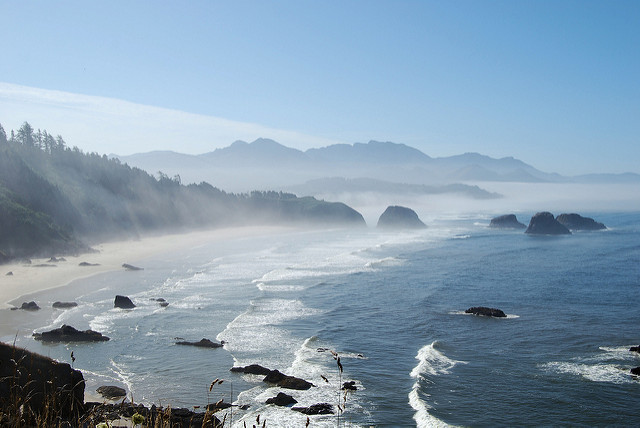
391,305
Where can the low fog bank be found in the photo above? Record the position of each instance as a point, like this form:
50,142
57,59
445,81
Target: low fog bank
526,198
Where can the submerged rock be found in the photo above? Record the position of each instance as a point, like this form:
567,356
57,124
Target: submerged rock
66,333
64,305
110,392
396,217
281,399
508,221
487,312
543,223
83,264
203,343
316,409
131,267
577,222
123,302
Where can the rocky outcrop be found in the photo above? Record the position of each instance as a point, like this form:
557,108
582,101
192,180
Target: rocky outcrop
28,306
487,312
507,221
316,409
123,302
155,416
635,371
66,333
33,382
203,343
282,399
87,264
64,305
635,349
577,222
349,386
131,267
111,392
255,369
396,217
543,223
285,381
275,376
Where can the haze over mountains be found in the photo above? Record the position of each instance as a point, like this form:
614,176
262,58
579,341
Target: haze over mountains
266,164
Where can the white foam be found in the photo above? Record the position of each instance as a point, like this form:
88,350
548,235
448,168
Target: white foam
611,373
431,362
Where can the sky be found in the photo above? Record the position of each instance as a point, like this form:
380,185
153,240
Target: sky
553,83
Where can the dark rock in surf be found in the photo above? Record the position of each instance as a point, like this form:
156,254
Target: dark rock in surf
255,369
64,305
635,349
282,399
349,386
87,264
10,273
66,333
635,371
123,302
396,217
28,306
508,221
216,407
285,381
487,312
203,343
577,222
543,223
131,267
35,377
111,392
316,409
56,260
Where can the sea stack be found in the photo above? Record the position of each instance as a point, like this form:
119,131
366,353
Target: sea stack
544,223
507,221
577,222
396,217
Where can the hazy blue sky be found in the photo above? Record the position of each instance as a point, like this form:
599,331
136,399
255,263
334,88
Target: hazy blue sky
554,83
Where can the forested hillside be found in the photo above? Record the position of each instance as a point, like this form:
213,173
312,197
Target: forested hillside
56,199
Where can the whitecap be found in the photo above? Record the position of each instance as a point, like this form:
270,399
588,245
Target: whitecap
431,362
611,373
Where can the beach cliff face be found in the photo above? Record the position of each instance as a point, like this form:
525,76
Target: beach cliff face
33,382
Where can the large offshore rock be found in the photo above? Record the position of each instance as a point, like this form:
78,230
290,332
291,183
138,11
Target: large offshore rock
577,222
544,223
507,221
396,217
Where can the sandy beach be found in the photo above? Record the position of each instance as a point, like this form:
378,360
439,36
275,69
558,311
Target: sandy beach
20,279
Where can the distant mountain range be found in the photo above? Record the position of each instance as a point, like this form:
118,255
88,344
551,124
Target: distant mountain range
266,164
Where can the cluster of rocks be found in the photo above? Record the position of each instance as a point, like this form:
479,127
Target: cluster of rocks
66,333
274,376
544,223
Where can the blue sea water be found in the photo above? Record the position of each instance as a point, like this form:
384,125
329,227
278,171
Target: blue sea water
391,305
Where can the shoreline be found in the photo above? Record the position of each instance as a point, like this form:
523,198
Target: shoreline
42,275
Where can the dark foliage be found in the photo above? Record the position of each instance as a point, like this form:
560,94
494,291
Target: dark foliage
53,198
